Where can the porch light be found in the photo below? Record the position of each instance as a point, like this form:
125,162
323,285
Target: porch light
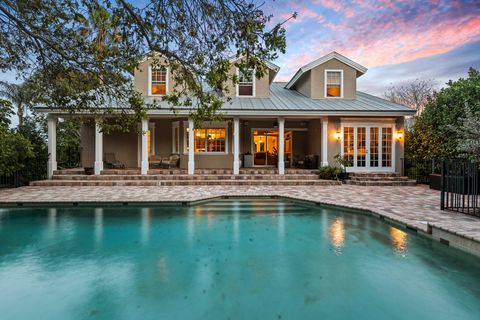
399,135
338,136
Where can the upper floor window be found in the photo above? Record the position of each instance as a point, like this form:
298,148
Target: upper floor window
158,81
334,84
245,83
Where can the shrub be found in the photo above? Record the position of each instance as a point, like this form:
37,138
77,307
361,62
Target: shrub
329,172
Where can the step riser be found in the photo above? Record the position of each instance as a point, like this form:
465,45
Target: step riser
382,183
183,183
185,177
183,171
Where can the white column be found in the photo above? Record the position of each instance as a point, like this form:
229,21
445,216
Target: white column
236,146
191,158
98,166
324,160
281,146
144,163
52,145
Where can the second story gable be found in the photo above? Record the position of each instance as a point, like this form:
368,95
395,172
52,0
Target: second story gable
330,77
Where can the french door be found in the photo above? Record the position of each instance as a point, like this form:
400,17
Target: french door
369,148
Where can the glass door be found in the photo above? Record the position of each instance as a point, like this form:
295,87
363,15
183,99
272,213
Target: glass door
265,147
368,148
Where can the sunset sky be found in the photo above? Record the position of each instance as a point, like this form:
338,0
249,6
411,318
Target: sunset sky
397,40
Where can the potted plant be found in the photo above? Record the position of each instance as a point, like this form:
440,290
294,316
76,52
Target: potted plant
342,163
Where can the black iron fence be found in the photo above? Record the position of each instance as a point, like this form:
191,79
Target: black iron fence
420,170
461,186
34,171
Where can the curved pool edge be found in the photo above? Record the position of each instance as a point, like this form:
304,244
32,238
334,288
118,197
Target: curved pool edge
430,230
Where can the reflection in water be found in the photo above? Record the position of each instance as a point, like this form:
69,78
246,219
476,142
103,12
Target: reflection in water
399,240
52,220
236,221
98,225
146,220
337,235
163,268
191,224
281,221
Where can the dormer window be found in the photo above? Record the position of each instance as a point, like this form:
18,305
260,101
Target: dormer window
158,81
334,83
245,86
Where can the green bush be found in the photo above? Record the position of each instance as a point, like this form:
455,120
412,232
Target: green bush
329,172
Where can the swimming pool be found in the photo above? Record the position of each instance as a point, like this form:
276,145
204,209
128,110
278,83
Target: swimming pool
235,259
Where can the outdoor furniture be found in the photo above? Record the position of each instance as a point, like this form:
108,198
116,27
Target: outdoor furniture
297,161
112,162
170,162
155,160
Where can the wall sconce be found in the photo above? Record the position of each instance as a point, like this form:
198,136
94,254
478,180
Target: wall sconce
338,136
399,135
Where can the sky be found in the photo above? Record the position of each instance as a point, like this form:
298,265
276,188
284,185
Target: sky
398,41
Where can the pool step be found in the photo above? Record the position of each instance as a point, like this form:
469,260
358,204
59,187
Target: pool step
277,182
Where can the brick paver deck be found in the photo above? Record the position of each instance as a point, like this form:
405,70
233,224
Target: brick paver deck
416,207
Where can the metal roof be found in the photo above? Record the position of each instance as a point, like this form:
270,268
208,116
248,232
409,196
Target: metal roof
286,100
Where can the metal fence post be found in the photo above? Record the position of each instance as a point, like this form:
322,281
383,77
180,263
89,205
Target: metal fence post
442,195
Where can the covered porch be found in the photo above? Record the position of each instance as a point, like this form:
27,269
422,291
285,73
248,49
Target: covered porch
237,142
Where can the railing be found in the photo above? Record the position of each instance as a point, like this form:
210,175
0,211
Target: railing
35,171
461,187
420,170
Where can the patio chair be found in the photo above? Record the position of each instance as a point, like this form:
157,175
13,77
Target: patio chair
155,160
170,162
112,162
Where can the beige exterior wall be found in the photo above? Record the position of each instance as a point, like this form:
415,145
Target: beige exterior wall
307,139
304,84
349,79
141,77
399,144
262,85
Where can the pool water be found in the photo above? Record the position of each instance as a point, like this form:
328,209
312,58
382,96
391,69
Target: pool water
239,259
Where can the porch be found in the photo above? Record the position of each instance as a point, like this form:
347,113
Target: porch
239,145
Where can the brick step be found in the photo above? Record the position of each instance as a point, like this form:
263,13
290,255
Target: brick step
75,171
187,177
355,178
183,182
382,183
374,174
205,171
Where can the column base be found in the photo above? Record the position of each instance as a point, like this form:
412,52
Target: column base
191,167
281,168
324,164
144,167
98,167
236,167
51,166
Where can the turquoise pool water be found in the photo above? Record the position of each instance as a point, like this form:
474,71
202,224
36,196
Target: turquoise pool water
254,259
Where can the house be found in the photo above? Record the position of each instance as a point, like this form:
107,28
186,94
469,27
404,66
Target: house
318,112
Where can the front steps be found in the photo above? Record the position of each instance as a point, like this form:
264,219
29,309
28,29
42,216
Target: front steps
179,177
379,179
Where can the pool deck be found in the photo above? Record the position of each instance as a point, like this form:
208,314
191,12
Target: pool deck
414,207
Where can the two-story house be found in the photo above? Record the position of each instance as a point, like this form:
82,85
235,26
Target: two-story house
267,124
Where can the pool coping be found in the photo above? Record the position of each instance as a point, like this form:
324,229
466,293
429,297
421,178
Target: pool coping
430,230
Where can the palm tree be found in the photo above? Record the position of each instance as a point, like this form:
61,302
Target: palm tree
18,95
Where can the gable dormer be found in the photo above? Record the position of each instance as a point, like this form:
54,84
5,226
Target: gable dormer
153,77
248,85
330,77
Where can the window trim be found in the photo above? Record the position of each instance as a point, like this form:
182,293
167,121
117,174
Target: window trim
254,81
167,71
341,83
207,125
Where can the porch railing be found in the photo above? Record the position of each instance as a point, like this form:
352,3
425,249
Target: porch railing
461,187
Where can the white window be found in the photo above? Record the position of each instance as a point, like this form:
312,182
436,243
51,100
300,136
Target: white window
158,81
246,83
333,83
211,139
